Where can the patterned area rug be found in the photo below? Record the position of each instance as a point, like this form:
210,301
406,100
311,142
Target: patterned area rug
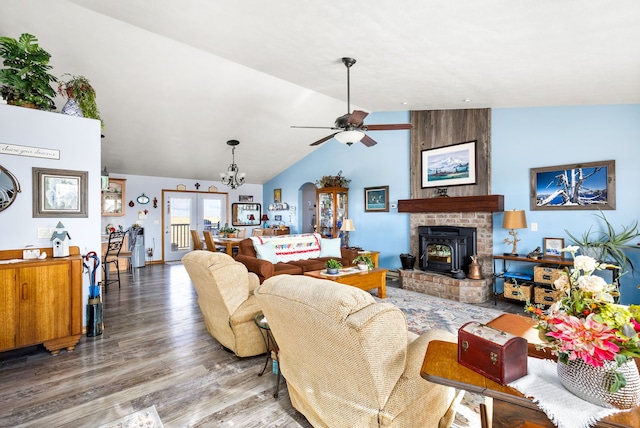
424,312
147,418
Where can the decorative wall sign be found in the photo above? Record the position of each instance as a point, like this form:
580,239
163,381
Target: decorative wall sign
453,165
553,248
376,199
585,186
59,193
34,152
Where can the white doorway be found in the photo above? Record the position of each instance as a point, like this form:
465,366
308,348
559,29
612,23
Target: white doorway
183,211
308,207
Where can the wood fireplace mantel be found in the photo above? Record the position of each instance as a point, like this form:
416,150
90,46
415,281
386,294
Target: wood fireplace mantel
449,204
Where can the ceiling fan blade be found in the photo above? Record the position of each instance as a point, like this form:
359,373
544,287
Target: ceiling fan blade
322,140
315,127
357,117
389,127
368,141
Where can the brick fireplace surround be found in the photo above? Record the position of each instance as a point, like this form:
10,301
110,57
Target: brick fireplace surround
434,284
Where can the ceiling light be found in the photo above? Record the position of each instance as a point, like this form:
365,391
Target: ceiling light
232,177
349,137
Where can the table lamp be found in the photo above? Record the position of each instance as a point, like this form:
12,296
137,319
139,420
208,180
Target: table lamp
514,219
251,218
347,226
264,218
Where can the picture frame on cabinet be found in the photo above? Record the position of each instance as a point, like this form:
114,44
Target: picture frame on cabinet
59,193
376,199
580,186
553,248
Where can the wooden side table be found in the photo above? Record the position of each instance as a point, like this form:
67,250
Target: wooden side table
510,407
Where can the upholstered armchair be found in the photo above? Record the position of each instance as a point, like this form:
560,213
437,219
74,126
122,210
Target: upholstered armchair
349,361
225,295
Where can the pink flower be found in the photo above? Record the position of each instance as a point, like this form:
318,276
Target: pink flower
584,338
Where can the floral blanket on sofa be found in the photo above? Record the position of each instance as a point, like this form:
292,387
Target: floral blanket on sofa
292,247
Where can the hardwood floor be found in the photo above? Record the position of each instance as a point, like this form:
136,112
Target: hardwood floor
155,350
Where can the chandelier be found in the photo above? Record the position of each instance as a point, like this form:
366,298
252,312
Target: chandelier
232,177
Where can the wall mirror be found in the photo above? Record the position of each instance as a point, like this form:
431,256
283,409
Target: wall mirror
246,214
9,188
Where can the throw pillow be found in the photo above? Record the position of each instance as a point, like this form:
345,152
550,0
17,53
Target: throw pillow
266,251
330,247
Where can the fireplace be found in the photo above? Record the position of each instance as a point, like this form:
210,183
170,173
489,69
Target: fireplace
446,248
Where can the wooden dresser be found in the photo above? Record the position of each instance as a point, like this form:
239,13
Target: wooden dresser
40,301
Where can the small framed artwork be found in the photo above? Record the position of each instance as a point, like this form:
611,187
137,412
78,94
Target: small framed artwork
453,165
278,218
553,248
245,198
580,186
376,199
277,196
59,193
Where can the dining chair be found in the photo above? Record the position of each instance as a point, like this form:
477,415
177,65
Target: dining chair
197,242
256,232
211,246
114,253
242,232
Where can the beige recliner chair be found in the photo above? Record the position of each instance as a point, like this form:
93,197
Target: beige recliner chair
225,295
349,361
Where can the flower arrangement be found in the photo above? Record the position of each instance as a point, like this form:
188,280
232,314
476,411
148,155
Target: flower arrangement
586,323
80,88
333,181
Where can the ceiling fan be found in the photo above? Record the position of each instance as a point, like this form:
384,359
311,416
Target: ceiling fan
350,126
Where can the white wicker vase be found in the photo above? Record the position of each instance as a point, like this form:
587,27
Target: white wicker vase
592,383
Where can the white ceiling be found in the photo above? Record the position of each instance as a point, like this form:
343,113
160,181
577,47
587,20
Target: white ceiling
177,79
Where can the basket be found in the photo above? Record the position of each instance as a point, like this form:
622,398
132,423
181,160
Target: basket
592,383
546,274
546,296
517,291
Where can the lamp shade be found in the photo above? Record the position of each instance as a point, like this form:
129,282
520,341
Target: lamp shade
252,217
349,137
264,217
514,219
347,225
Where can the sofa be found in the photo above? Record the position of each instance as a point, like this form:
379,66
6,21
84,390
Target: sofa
349,361
295,254
225,296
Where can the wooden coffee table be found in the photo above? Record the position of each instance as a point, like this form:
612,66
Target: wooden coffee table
364,280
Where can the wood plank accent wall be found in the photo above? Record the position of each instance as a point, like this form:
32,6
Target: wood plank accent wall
440,128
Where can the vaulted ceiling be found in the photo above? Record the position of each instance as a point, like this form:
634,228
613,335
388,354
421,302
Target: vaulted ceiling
177,79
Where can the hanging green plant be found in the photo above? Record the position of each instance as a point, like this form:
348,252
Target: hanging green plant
80,88
25,80
333,181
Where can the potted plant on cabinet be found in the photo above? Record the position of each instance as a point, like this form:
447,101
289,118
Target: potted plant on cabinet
333,181
333,266
608,244
79,89
25,80
363,262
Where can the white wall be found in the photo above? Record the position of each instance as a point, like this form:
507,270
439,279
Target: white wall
78,141
152,187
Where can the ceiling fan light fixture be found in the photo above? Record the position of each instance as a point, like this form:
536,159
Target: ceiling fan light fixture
349,137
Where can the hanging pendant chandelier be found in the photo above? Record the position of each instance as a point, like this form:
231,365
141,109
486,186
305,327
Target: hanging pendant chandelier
232,177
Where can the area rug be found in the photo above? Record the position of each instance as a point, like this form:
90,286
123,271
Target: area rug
424,312
145,418
173,263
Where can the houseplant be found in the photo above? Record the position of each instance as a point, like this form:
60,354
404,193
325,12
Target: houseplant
80,89
364,262
593,337
228,231
25,80
333,181
333,266
607,244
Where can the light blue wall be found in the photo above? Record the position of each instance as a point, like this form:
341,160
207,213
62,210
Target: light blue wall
536,137
385,164
521,139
